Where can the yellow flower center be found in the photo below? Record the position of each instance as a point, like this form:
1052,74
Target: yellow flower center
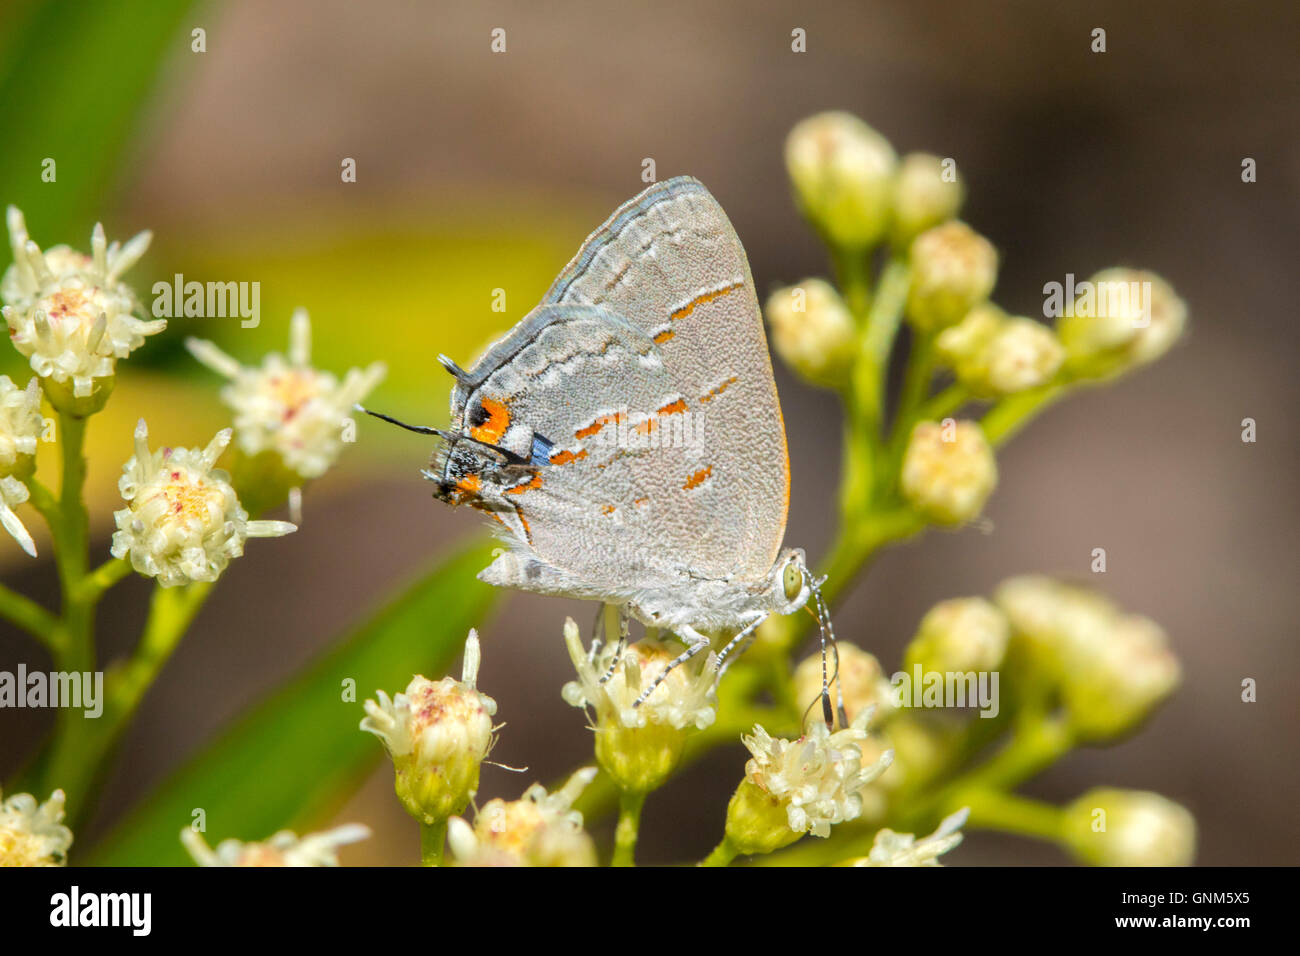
190,498
20,848
293,389
74,305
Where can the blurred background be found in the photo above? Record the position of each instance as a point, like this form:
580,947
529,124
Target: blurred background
477,171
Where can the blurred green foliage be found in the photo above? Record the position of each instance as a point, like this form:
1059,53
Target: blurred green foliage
293,759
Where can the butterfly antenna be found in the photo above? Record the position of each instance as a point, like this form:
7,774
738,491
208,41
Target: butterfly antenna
827,632
419,429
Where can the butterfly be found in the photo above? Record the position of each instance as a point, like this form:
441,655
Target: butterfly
626,436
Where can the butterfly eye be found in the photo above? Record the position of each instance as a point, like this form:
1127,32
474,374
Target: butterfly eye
793,580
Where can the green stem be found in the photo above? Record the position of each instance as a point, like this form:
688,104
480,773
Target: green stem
78,755
31,617
722,854
629,822
102,578
1005,419
1037,743
432,838
1011,813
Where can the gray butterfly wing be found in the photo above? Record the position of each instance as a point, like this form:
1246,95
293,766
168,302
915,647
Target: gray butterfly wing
602,479
669,262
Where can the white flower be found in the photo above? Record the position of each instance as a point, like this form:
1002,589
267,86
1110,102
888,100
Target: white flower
639,746
288,407
539,829
183,521
792,787
685,698
32,834
438,734
283,849
904,849
67,312
948,471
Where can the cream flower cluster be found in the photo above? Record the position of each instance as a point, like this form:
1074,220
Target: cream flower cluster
995,355
1112,668
68,313
33,834
20,428
438,734
283,849
687,697
538,829
816,780
813,331
1130,317
948,471
904,849
960,634
183,521
286,406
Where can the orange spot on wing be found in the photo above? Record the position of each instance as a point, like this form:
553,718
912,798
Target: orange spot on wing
531,485
672,408
598,424
646,427
566,456
664,336
718,390
697,479
640,501
707,297
607,510
495,426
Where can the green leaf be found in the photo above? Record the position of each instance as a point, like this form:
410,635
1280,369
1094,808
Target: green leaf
294,758
74,79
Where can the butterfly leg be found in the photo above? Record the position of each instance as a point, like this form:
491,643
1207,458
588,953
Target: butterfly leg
738,645
695,642
608,611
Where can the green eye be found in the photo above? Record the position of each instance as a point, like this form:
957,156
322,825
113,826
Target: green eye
793,581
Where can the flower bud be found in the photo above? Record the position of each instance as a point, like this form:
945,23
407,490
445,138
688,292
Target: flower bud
959,636
1115,682
813,331
843,176
994,355
32,834
860,676
948,471
925,196
639,746
183,521
539,829
1122,319
953,269
1112,827
438,734
793,787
